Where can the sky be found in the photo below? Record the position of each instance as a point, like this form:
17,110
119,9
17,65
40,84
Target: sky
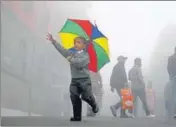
132,28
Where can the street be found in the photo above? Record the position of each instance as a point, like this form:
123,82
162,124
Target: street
87,122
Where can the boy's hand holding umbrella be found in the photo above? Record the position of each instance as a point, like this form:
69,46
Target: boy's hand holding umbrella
69,57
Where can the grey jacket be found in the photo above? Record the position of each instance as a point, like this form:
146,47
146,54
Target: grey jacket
78,63
171,66
136,78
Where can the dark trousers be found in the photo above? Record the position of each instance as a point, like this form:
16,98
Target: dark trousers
81,88
119,103
141,94
173,85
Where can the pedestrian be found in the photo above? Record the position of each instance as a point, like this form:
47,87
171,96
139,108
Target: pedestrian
80,84
138,84
97,89
169,100
150,96
117,82
171,67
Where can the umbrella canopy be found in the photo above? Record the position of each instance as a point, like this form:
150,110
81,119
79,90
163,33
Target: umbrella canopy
97,48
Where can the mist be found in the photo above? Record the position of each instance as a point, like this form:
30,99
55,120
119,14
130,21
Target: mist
36,78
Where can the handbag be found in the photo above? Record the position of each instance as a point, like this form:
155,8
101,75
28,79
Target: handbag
127,98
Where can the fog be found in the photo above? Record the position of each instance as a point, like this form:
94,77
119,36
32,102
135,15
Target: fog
35,77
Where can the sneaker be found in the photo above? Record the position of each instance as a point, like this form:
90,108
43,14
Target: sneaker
150,116
91,114
75,119
113,110
131,115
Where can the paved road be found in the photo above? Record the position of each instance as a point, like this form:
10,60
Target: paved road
87,122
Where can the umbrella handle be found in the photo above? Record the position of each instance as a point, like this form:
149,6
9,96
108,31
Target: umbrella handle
95,22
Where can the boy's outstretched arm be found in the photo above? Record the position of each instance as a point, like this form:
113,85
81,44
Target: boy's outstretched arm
80,62
59,48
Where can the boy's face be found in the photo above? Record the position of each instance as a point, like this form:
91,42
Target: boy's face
79,44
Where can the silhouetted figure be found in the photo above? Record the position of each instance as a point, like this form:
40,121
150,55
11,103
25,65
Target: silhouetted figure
168,100
151,98
117,81
171,67
97,87
138,84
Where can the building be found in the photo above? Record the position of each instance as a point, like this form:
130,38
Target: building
158,64
31,68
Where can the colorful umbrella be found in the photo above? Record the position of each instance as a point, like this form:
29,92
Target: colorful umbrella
97,48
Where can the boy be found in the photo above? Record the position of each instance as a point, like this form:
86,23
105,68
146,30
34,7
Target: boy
81,83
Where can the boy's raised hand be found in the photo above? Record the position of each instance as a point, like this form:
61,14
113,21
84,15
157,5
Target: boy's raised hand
49,37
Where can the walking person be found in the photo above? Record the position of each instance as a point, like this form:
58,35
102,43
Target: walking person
97,89
138,84
117,82
151,98
171,67
81,84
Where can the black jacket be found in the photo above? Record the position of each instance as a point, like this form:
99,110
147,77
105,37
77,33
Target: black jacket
118,76
171,66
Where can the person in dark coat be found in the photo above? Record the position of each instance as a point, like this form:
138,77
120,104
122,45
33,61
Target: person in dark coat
171,67
117,82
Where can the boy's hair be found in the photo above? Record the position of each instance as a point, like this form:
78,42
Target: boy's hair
82,38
